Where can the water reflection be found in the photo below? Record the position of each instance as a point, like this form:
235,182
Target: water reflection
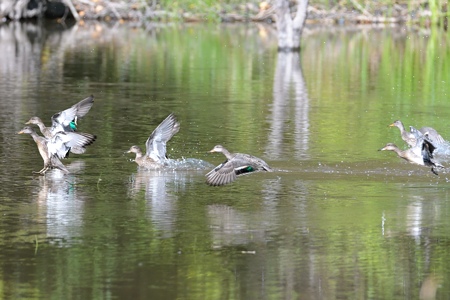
429,287
313,233
160,193
61,204
21,51
289,85
247,228
229,227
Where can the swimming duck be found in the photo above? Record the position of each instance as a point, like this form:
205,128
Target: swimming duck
236,164
66,121
409,138
57,147
155,155
420,154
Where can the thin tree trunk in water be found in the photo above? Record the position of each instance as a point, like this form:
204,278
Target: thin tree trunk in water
290,30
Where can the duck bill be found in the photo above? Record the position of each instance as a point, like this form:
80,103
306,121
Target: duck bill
27,123
391,125
20,132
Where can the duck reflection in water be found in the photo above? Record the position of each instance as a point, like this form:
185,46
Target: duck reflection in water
231,227
161,190
61,204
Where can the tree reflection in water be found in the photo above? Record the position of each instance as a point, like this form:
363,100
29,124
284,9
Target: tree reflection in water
290,106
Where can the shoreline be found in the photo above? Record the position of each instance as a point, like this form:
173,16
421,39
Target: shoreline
132,11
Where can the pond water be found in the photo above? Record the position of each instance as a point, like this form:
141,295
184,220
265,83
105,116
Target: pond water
336,220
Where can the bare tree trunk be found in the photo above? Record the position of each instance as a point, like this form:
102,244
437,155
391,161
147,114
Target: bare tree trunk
74,12
290,30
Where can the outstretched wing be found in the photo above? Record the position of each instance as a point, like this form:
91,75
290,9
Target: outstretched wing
61,143
239,164
62,121
222,174
156,143
432,135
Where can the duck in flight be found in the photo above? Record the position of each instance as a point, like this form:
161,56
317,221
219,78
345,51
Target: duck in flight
155,154
57,147
236,164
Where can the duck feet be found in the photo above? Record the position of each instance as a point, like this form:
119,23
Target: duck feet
42,171
38,173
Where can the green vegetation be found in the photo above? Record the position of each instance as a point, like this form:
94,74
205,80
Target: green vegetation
422,12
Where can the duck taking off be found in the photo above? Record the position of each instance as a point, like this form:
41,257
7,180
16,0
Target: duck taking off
235,165
56,148
65,121
410,138
155,155
420,154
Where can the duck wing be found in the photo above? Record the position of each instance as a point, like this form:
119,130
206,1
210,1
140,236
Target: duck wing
246,163
62,121
61,143
222,174
239,164
433,135
156,143
427,148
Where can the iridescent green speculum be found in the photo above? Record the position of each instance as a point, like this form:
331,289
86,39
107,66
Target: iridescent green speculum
73,125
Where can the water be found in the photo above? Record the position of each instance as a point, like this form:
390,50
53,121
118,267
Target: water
336,220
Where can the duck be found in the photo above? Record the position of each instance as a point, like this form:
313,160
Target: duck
236,164
155,154
419,154
65,121
410,139
56,148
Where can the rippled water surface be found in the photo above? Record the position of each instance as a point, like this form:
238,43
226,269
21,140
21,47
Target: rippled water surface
336,220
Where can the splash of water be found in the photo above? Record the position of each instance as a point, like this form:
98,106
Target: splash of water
188,164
